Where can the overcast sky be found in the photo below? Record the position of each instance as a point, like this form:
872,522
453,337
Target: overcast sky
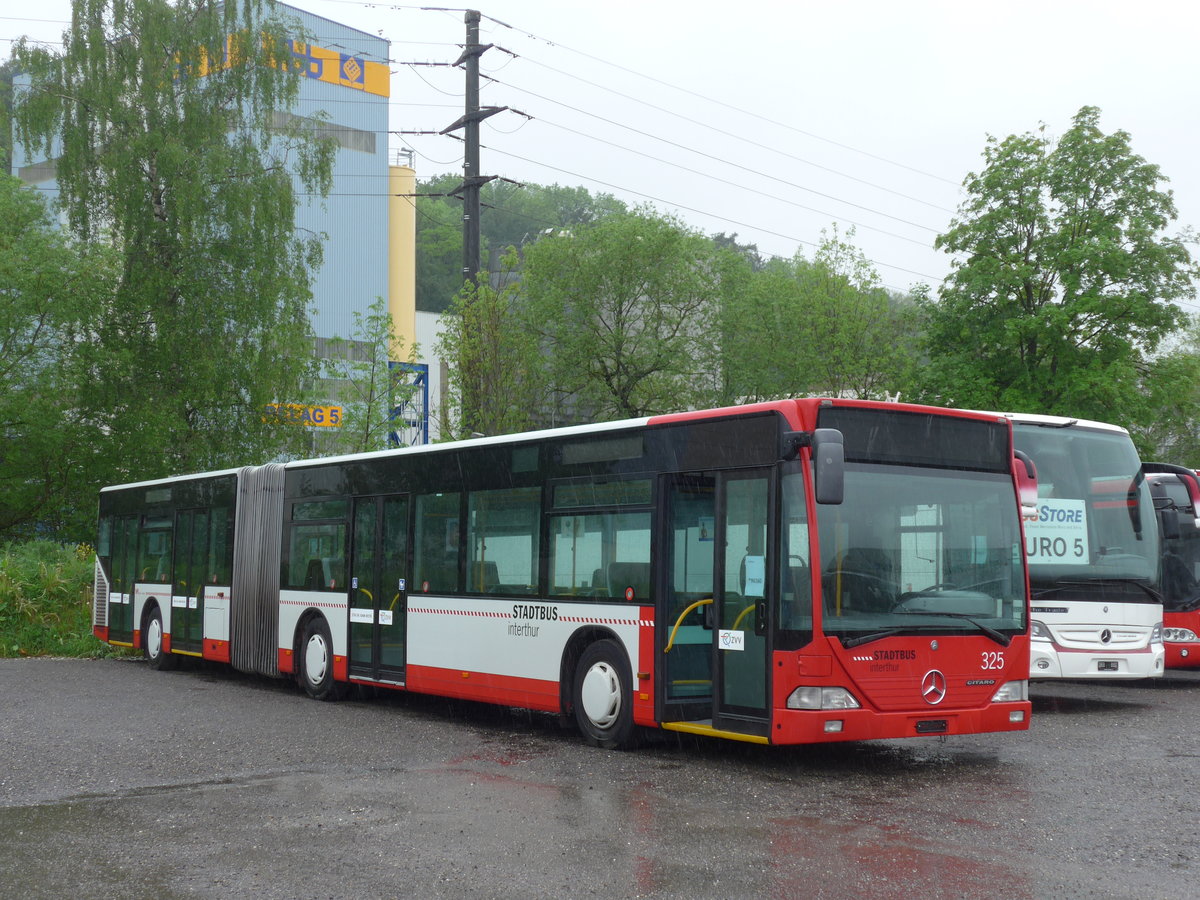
776,119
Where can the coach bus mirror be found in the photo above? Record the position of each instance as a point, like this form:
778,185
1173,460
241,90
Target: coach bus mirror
829,466
1025,473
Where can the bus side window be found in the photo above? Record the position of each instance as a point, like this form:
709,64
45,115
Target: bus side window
502,540
436,543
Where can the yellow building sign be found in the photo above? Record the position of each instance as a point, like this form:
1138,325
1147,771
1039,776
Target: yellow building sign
341,68
314,62
299,414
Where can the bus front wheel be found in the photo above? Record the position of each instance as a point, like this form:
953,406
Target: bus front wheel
315,672
602,696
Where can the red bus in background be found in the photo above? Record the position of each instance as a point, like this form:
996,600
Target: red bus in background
1176,493
781,573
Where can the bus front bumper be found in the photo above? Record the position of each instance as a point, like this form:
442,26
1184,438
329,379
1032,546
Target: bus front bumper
791,726
1048,661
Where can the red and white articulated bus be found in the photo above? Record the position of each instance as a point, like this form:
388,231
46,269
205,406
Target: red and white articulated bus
1176,493
780,573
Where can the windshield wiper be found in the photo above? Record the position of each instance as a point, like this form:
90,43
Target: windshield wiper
868,638
1002,639
1153,594
1189,604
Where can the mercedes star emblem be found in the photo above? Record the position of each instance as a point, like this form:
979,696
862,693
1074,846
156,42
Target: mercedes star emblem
933,687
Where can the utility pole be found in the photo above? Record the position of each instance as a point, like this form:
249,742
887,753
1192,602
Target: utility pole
472,115
471,183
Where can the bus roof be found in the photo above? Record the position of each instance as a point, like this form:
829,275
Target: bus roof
1061,422
790,408
170,479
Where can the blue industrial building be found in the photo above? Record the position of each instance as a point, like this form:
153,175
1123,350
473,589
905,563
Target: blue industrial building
366,221
346,84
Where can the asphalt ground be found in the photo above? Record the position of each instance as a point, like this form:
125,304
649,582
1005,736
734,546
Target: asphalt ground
120,781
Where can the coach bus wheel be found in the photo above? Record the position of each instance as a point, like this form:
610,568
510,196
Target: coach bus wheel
602,698
316,663
152,643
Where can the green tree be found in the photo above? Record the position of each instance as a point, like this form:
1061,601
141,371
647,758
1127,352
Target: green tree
819,326
1063,280
513,216
6,86
1167,415
624,311
50,289
170,149
861,337
495,384
361,373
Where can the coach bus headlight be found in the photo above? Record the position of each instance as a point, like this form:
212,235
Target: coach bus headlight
1011,692
821,698
1156,636
1038,631
1180,635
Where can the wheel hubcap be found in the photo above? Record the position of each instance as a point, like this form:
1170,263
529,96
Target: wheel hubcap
154,638
600,695
316,659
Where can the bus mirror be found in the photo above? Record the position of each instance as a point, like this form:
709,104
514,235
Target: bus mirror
1169,524
829,466
1025,473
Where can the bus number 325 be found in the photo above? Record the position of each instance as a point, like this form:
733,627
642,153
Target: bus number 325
992,659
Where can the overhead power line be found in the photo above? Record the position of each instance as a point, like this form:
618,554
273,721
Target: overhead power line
721,103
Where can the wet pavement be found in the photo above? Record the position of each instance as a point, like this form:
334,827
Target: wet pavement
116,780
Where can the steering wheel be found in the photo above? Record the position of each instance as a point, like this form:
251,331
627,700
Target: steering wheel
878,591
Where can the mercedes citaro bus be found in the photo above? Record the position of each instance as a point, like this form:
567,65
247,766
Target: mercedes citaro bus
784,572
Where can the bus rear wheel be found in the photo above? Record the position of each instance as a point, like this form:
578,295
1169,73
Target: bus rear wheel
152,643
315,672
602,696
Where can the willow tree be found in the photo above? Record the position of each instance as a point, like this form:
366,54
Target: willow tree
169,130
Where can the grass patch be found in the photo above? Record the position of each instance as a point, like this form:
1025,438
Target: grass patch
46,601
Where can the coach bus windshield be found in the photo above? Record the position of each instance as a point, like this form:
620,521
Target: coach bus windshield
1096,525
919,550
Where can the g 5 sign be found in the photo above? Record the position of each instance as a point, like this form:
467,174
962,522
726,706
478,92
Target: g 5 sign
298,414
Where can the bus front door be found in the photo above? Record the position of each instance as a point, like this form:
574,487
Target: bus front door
714,642
378,587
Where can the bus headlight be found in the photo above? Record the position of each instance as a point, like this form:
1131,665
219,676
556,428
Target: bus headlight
1011,692
821,698
1038,631
1156,636
1180,635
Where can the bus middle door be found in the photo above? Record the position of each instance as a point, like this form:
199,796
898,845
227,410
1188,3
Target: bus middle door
379,587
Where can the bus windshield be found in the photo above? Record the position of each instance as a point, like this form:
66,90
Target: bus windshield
922,550
1095,525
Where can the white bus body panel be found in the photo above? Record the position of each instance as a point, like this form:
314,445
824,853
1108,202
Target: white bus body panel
333,606
521,638
216,613
144,593
1098,640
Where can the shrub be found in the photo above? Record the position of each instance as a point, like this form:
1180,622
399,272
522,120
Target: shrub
46,601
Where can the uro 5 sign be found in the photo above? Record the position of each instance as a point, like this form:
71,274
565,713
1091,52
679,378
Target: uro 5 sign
1059,535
